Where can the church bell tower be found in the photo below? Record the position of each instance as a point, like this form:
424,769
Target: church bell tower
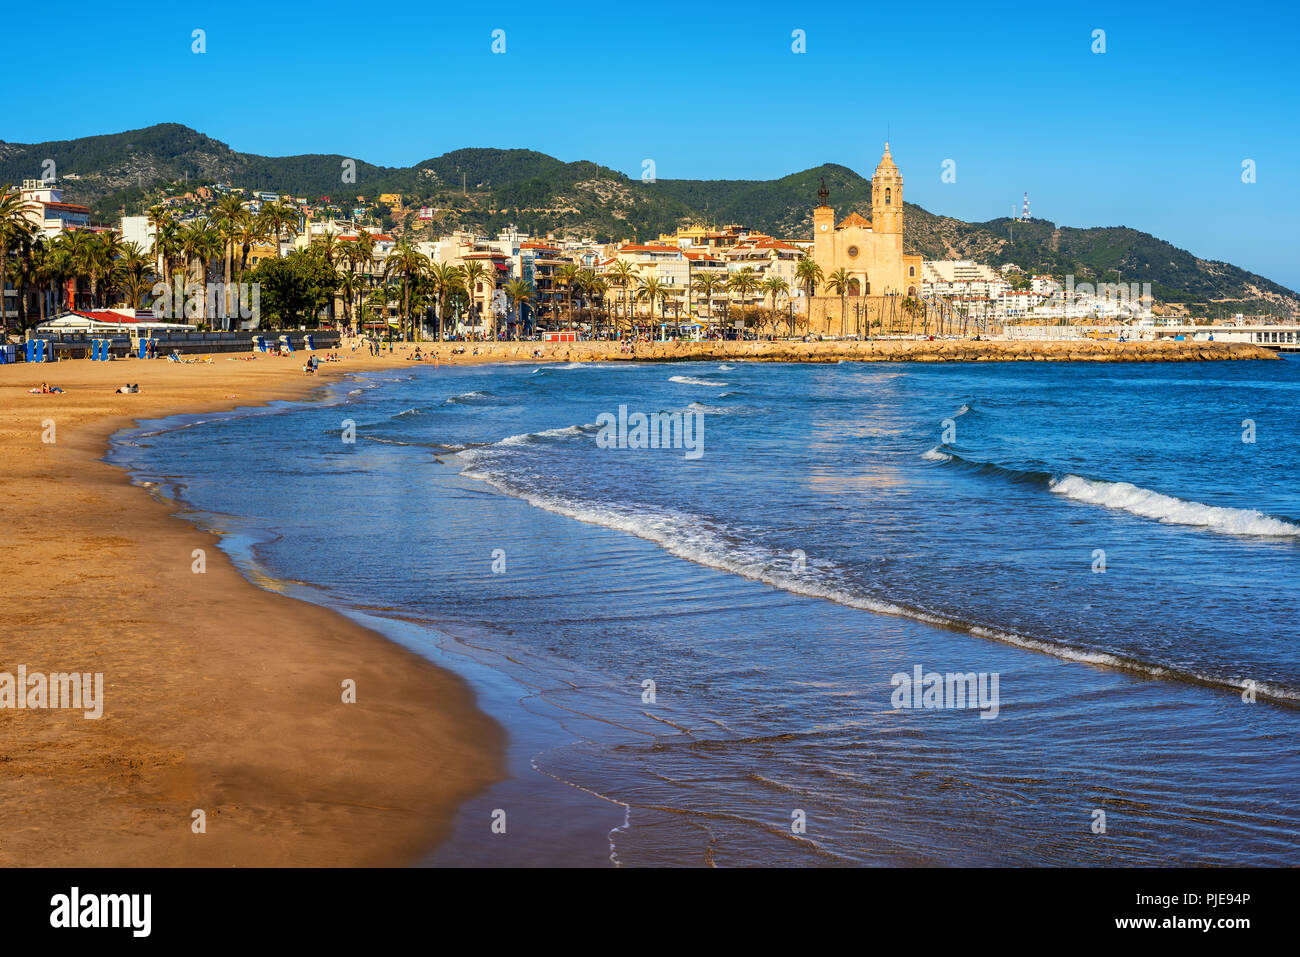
887,197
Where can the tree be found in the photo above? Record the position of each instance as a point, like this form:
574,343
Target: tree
567,276
623,275
408,264
135,273
444,279
652,289
809,275
473,274
229,222
295,288
518,293
200,242
12,225
838,283
743,282
775,286
159,218
278,219
709,284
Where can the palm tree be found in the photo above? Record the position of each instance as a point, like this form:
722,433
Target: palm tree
473,273
167,244
278,219
22,237
809,275
518,293
567,276
623,274
200,242
652,289
409,264
349,283
445,279
743,282
231,216
775,286
838,283
328,246
709,284
587,284
252,232
12,223
135,273
159,217
597,287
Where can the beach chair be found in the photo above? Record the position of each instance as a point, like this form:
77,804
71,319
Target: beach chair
173,357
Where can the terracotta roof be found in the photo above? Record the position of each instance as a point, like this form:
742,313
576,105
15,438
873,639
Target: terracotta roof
650,249
113,317
853,219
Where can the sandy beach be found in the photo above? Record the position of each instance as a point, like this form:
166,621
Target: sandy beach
219,696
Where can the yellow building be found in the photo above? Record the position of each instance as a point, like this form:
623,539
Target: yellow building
391,199
871,253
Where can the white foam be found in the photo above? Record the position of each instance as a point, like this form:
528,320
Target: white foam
725,368
1145,503
525,437
699,540
936,455
688,380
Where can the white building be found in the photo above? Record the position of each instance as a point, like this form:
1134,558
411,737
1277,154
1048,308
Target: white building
45,209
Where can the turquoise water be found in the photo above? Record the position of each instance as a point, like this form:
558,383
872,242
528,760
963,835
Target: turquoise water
1117,546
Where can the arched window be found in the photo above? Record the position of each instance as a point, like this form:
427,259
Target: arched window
911,291
888,196
855,288
911,272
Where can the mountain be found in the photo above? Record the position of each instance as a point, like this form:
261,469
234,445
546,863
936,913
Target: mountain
488,189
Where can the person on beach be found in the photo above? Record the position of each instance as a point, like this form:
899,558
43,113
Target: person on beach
127,389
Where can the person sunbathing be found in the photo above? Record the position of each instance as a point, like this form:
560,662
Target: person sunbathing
127,389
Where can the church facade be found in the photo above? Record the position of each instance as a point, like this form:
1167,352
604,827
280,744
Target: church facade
880,273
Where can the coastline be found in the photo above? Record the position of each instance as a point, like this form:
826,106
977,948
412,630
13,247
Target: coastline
873,350
218,695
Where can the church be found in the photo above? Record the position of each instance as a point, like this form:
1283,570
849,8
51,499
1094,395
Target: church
880,274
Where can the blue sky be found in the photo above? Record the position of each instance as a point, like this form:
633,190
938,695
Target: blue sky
1152,133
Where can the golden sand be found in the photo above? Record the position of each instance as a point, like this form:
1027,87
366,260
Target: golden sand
219,696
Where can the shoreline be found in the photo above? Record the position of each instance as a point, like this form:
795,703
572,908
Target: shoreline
873,350
219,696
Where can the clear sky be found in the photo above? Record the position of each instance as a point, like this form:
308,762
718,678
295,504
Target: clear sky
1152,133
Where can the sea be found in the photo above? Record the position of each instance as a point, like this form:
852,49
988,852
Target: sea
887,614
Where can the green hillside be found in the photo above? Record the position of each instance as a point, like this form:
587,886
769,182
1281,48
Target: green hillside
488,189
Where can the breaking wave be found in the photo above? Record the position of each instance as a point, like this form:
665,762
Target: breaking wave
690,380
